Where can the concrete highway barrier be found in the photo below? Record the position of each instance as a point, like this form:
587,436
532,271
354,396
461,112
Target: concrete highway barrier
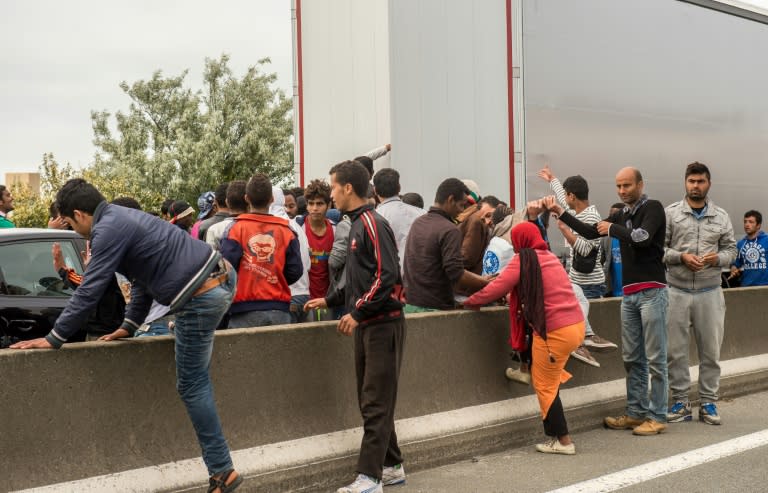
106,416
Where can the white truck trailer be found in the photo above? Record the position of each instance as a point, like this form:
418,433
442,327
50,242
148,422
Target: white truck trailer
494,89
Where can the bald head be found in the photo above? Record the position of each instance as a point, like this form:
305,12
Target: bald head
629,185
629,173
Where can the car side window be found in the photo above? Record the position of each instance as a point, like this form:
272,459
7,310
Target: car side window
26,269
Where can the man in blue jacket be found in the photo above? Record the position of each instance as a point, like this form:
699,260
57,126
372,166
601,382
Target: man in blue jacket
165,264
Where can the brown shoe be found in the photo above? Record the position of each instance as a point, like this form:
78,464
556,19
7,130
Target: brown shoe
650,427
622,422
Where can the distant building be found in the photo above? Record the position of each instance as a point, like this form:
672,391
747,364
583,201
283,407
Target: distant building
32,180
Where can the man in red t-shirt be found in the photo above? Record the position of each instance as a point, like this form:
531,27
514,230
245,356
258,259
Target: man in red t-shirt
320,236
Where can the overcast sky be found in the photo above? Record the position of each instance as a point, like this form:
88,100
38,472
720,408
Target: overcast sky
61,59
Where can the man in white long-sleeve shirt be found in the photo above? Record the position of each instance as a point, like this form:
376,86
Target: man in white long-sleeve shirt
586,270
386,184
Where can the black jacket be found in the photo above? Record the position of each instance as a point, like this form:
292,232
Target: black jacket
640,232
373,283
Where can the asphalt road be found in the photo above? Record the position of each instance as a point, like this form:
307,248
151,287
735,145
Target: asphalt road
689,457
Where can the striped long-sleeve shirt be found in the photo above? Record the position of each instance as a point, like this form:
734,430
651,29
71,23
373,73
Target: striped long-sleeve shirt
582,246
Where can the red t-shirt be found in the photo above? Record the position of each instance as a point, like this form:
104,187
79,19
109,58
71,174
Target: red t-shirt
319,251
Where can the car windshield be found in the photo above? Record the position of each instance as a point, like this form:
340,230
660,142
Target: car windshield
26,269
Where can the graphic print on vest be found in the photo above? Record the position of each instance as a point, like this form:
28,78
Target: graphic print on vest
262,248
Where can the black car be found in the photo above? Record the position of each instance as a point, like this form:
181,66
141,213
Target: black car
32,295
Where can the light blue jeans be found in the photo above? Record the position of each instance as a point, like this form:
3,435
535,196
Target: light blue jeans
644,350
196,324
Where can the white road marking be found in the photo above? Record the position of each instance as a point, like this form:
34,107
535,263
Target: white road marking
662,467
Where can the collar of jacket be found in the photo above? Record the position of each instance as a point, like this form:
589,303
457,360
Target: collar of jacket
353,214
708,211
99,211
440,212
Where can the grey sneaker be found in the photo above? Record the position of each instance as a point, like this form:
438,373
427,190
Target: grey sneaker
708,413
680,411
582,354
597,343
393,475
363,484
518,376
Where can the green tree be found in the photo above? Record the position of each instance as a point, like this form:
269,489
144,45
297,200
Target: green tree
179,143
32,208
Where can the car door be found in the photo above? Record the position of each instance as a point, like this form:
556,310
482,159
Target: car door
32,295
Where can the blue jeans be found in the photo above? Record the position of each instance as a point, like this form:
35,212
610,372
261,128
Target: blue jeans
259,318
644,349
593,291
157,328
196,324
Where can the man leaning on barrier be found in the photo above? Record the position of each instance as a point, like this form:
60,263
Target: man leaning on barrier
164,263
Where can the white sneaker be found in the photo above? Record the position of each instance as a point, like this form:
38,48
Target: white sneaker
363,484
393,475
555,447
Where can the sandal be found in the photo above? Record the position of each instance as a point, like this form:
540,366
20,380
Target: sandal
221,483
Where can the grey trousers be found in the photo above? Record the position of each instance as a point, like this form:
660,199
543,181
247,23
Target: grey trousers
703,316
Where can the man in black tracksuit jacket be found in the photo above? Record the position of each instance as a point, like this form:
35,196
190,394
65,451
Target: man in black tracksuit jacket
371,295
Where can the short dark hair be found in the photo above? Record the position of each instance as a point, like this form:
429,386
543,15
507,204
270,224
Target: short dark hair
78,194
367,163
618,205
355,174
259,190
697,168
318,189
3,188
236,195
53,209
287,192
578,186
753,213
451,187
128,202
165,207
301,205
490,200
414,199
220,194
387,182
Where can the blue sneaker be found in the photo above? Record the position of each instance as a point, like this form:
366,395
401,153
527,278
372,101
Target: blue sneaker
708,413
679,412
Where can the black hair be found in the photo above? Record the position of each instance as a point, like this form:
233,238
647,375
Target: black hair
220,194
166,206
128,202
451,187
301,205
3,188
259,190
367,163
387,182
287,192
697,168
355,174
618,205
236,196
318,189
490,200
578,186
414,199
753,213
53,209
78,194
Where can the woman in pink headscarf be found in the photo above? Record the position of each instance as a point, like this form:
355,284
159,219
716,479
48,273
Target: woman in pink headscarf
541,297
